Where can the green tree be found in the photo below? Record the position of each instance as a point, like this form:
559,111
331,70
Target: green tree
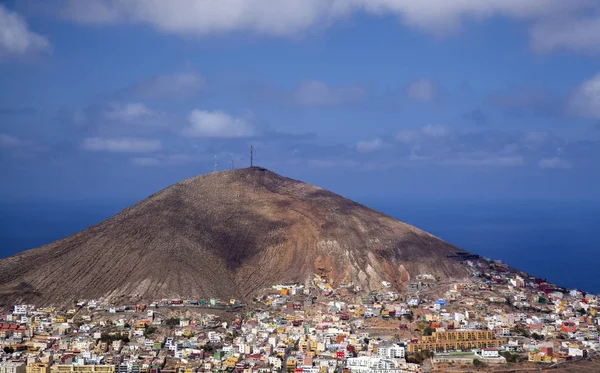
479,364
510,357
174,321
9,349
108,338
149,331
427,330
522,331
536,336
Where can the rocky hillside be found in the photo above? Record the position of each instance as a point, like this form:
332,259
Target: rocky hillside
227,234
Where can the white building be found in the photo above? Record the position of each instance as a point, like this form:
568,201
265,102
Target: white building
387,350
244,348
12,367
214,337
310,370
275,361
21,309
369,364
489,353
573,351
273,341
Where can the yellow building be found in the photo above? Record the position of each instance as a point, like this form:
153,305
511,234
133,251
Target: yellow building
457,340
82,369
538,357
321,347
38,368
303,345
291,363
231,361
142,324
432,317
312,346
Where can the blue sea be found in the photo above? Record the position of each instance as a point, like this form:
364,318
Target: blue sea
556,240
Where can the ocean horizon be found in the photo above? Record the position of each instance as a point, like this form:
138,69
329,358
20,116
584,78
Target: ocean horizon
551,239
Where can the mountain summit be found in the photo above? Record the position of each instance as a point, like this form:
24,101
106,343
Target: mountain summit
228,234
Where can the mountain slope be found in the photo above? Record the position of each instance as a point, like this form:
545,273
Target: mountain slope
227,234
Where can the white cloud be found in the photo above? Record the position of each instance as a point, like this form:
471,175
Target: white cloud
554,162
197,18
535,137
428,131
526,101
15,36
292,17
422,90
121,145
578,34
436,144
414,156
435,130
489,161
585,99
7,141
369,145
133,116
316,93
406,135
178,85
217,124
130,112
438,16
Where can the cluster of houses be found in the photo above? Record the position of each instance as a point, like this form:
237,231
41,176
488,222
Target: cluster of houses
499,316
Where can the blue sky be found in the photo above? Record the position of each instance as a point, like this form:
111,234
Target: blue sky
111,100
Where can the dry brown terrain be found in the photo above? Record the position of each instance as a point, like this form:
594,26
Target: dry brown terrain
587,365
227,234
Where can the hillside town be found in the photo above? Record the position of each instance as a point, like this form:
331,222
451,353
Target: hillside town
499,318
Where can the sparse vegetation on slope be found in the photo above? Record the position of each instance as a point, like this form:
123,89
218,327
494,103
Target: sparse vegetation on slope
227,234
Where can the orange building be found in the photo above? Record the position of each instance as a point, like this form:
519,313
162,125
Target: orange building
568,327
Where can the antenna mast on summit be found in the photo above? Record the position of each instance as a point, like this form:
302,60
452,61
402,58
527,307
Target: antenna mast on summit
215,165
251,156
